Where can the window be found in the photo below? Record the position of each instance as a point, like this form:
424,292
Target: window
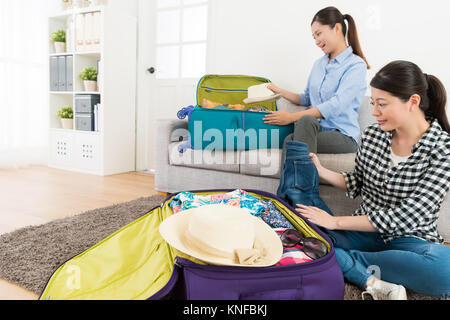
23,86
181,39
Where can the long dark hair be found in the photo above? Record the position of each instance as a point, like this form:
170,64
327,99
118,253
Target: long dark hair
330,16
402,79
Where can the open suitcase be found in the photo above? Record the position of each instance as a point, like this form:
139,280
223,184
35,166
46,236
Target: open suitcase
225,129
136,263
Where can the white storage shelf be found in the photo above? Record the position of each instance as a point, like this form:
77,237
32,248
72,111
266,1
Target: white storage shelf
111,149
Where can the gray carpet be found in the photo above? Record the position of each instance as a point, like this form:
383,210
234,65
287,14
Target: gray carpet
29,256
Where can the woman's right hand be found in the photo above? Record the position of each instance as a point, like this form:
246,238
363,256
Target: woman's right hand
274,88
316,161
334,178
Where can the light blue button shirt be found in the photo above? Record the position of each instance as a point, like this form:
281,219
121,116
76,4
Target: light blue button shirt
337,89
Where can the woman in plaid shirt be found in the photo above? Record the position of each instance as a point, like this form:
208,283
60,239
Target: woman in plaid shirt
402,174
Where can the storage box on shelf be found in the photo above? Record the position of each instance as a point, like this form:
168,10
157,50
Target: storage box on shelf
103,139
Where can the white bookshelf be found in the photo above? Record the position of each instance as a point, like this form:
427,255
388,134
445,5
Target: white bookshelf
111,149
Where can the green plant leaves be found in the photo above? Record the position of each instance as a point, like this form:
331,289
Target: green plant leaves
59,36
66,112
89,73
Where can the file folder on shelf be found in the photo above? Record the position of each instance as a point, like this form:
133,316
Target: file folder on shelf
69,73
62,73
54,78
88,31
79,32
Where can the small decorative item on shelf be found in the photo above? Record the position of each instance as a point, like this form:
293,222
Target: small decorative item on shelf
66,4
80,3
59,39
89,76
66,115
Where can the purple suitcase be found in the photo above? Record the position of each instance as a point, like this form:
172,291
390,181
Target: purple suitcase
320,279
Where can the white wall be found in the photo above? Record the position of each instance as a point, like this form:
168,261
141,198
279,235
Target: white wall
125,6
273,39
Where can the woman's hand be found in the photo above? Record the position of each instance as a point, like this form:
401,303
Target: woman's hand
279,118
316,161
318,216
274,88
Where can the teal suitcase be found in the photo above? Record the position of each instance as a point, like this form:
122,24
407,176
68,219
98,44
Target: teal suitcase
224,129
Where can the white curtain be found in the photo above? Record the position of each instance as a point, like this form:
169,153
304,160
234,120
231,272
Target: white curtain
24,88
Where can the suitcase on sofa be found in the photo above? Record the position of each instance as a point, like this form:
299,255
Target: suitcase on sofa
135,263
225,129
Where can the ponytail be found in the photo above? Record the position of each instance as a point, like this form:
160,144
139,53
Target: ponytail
437,101
402,79
331,16
353,39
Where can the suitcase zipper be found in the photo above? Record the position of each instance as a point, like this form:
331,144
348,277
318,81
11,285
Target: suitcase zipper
224,90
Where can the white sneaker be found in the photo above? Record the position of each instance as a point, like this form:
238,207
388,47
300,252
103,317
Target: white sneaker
382,290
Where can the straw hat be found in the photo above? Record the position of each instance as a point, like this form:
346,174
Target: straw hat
223,235
260,93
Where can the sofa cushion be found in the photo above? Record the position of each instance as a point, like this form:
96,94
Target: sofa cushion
262,162
204,159
344,162
267,163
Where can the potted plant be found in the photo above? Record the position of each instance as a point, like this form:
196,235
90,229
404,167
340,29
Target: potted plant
66,115
59,39
89,76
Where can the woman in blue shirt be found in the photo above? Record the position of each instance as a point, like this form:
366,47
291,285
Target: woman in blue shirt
335,89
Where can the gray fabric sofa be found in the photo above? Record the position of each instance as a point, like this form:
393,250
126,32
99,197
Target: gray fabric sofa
254,169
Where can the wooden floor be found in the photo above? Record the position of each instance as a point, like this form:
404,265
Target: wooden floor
38,195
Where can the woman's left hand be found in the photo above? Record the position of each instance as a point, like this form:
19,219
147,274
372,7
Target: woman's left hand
278,118
317,216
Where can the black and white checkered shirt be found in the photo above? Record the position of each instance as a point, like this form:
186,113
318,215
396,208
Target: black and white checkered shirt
403,201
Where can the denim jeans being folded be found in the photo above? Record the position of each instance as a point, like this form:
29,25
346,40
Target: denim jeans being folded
299,180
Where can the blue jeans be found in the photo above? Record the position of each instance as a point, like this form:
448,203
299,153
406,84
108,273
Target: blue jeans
299,180
419,265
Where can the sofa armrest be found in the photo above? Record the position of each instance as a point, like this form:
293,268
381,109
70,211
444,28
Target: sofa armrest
168,131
